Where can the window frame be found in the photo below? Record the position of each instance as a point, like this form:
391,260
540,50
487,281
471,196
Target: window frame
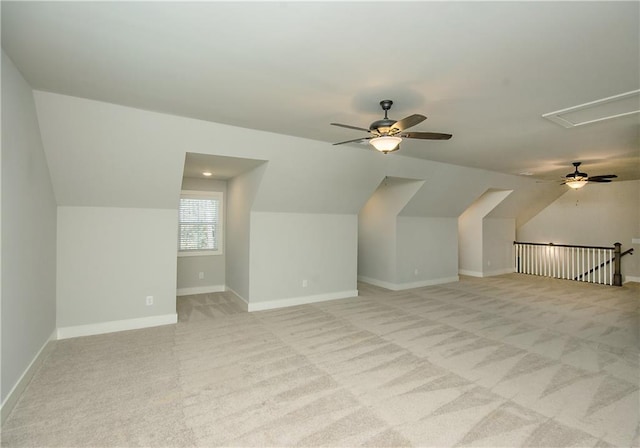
194,194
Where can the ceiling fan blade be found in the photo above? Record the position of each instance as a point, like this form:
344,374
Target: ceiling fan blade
354,141
409,121
598,180
604,176
426,135
350,127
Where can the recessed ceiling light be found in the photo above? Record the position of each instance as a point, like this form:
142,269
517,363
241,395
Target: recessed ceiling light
207,173
526,173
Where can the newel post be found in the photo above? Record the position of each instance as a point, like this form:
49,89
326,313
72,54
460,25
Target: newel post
617,275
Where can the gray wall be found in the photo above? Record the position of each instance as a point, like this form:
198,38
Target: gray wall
28,232
482,247
596,215
110,259
470,241
241,192
377,224
428,245
498,235
398,251
287,248
212,266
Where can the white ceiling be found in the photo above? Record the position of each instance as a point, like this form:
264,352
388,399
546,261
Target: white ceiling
483,71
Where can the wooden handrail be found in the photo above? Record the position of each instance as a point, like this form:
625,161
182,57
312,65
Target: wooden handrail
564,245
540,261
628,251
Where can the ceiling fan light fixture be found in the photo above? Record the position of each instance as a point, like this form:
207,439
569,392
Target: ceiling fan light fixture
386,143
576,184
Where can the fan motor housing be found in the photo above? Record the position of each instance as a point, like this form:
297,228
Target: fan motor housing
384,123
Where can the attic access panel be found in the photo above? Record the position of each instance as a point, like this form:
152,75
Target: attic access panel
616,106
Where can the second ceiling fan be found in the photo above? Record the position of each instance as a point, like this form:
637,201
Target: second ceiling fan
577,179
386,134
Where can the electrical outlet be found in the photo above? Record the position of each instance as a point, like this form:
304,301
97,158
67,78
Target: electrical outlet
305,283
149,300
200,275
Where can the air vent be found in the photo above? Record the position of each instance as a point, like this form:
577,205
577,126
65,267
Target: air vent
605,109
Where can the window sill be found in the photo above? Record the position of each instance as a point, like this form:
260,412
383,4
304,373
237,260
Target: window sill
200,253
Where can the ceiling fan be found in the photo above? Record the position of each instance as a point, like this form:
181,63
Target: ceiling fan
577,179
386,134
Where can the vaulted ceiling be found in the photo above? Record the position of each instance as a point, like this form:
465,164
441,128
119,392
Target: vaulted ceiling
484,71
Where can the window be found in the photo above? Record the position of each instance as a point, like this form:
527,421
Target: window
200,223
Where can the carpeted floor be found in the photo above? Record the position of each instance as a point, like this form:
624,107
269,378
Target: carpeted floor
506,361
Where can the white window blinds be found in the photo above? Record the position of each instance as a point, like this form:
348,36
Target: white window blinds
199,224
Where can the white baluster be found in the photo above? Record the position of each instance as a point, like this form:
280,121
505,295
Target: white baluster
599,269
573,262
593,263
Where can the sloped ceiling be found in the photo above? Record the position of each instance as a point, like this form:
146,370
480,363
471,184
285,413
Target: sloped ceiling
484,71
102,154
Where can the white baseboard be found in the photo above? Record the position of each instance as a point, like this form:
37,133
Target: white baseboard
376,282
200,290
470,273
430,282
244,302
499,272
411,285
116,325
488,273
629,278
14,394
293,301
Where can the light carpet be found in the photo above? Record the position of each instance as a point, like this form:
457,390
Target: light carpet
506,361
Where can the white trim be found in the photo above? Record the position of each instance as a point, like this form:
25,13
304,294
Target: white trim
411,285
376,282
629,278
200,290
555,116
200,253
293,301
16,391
430,282
488,273
470,273
200,194
116,325
499,272
245,302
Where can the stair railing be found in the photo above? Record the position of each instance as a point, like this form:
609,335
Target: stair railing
594,264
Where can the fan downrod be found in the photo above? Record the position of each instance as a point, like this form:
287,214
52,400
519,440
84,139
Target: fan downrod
386,105
385,123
